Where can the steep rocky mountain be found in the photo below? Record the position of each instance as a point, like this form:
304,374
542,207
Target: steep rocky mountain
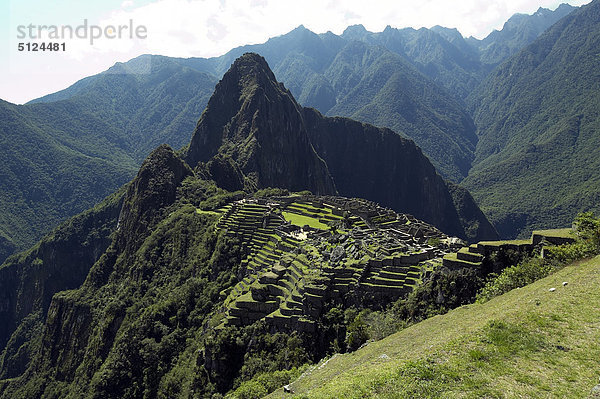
252,120
376,86
536,160
28,281
328,71
395,79
142,294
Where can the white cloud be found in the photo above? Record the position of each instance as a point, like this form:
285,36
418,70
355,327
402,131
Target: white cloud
204,28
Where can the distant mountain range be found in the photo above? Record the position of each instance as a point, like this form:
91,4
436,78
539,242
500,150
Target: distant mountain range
412,81
517,32
62,157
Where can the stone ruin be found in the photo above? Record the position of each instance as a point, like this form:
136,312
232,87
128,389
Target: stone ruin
361,253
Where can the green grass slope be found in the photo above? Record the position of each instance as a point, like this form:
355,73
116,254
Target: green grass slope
530,342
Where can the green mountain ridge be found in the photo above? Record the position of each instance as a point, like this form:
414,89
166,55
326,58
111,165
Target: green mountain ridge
64,156
311,66
206,271
51,170
536,162
379,87
326,71
517,32
254,121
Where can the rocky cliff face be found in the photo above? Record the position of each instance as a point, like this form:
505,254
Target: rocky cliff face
476,225
255,121
70,318
154,188
369,162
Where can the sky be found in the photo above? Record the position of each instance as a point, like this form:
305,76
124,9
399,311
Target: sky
97,34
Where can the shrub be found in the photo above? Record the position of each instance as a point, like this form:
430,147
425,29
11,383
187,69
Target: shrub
587,244
381,324
250,390
265,383
357,332
445,290
569,252
587,228
515,276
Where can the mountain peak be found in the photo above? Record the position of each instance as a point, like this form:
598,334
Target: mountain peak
300,28
565,7
254,123
154,188
354,31
249,72
251,63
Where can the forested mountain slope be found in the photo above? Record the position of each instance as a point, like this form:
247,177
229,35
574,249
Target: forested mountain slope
64,156
537,158
58,159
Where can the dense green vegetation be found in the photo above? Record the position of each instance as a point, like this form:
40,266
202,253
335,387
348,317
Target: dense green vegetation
253,134
536,161
58,160
28,281
166,282
134,297
390,79
147,318
144,321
